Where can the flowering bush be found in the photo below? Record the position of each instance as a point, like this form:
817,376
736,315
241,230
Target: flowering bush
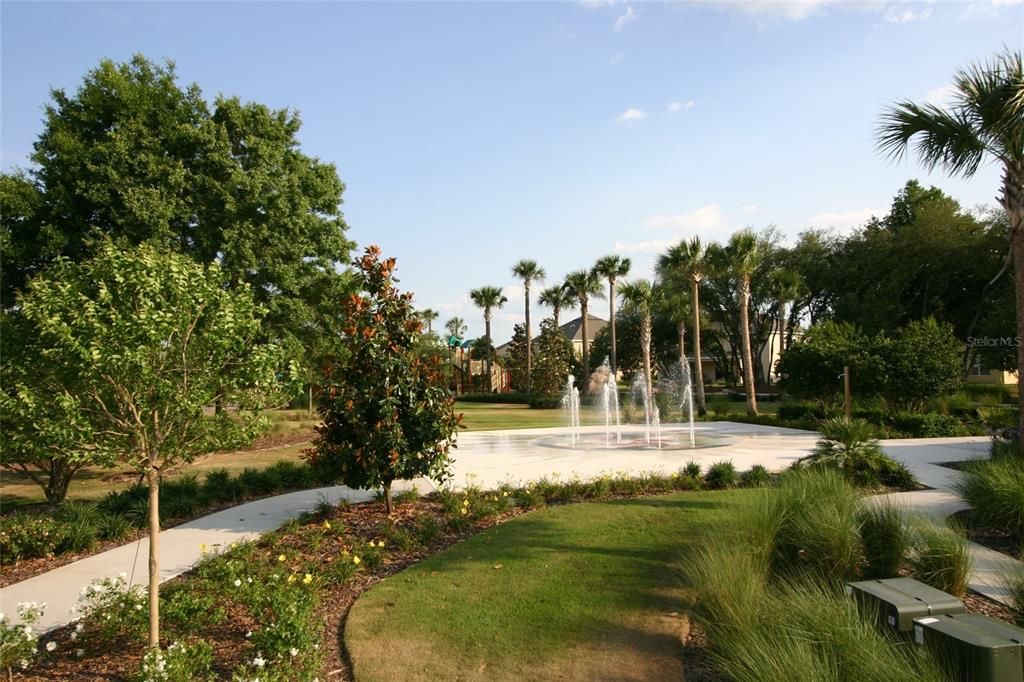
18,642
179,663
113,610
26,536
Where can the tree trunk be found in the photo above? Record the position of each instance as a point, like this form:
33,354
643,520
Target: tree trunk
748,361
648,380
487,351
389,503
153,479
309,408
681,330
586,350
1013,203
611,316
529,341
698,365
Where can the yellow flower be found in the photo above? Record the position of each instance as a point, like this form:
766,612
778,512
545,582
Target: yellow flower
281,558
463,512
356,560
292,578
380,543
465,502
505,494
307,580
327,525
202,547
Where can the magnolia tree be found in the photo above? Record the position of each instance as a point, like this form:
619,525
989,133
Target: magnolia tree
134,346
387,414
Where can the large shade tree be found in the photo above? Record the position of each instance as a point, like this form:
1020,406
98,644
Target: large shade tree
135,156
528,271
584,285
487,299
687,261
612,268
135,345
985,120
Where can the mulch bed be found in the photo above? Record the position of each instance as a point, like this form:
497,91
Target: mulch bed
993,538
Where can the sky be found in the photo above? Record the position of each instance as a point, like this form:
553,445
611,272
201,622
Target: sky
472,135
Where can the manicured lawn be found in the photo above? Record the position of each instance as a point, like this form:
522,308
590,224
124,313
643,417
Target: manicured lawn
584,591
494,416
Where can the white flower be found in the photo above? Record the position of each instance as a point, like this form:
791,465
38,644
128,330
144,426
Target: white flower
79,627
51,646
23,664
74,636
259,662
79,652
122,575
238,583
138,607
293,651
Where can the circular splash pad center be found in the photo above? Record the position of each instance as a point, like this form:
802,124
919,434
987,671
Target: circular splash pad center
633,440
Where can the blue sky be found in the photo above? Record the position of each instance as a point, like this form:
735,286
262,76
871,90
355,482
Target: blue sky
471,135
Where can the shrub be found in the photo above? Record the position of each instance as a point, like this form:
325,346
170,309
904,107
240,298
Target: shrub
692,469
27,536
756,477
801,410
721,475
82,525
941,558
884,538
114,527
812,515
180,662
851,447
186,609
928,425
114,611
995,490
18,642
545,402
510,397
1014,583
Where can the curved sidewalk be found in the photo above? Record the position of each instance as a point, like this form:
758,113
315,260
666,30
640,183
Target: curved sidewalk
490,458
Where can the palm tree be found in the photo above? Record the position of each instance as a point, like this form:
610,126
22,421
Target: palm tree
986,119
743,254
611,268
581,285
788,286
558,299
688,259
456,328
529,272
488,298
428,315
639,296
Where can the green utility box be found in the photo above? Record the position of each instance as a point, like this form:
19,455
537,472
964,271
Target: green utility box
898,601
974,648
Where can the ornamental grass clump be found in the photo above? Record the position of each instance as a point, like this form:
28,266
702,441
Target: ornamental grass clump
995,490
885,539
941,558
721,475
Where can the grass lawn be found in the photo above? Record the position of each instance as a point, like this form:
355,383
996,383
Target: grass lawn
583,591
494,416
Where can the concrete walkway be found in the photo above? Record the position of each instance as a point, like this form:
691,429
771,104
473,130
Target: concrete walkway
489,458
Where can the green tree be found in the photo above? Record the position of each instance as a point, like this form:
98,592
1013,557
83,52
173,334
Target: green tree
529,272
742,255
387,415
516,363
922,361
985,120
612,268
812,367
147,341
428,315
135,157
555,360
640,296
558,299
583,285
688,260
488,298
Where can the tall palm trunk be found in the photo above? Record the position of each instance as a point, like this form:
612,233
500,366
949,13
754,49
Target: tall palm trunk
529,340
611,317
698,365
1012,200
681,330
586,348
645,340
748,358
487,349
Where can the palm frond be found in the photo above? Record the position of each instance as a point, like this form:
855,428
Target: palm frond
945,138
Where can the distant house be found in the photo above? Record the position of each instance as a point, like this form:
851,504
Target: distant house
573,331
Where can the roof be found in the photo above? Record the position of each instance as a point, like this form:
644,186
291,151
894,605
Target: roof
573,329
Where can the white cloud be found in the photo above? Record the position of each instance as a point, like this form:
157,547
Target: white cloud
594,4
651,246
703,219
625,19
676,107
905,15
940,97
616,58
631,115
844,220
